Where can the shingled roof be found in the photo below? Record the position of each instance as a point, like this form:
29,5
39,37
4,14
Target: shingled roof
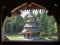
29,16
32,30
30,21
31,25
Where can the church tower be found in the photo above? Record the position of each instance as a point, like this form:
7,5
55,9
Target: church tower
30,30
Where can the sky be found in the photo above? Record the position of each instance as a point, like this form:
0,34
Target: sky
25,12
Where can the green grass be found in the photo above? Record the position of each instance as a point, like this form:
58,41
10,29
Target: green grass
14,37
19,37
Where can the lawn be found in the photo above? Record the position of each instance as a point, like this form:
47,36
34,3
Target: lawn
15,37
20,37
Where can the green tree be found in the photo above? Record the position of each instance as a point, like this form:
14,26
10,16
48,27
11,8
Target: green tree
47,25
19,23
14,24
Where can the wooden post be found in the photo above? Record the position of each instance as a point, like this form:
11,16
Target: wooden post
59,31
3,28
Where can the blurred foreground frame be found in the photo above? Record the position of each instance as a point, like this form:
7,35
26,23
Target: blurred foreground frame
14,13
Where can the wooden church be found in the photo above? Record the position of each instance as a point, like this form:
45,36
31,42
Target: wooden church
30,30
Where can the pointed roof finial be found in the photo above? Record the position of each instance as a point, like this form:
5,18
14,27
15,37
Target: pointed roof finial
30,14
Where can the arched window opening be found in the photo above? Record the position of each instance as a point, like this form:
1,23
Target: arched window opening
47,25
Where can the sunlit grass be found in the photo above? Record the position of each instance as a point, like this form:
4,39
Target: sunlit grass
14,38
20,37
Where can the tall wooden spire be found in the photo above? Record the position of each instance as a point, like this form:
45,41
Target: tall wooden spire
30,27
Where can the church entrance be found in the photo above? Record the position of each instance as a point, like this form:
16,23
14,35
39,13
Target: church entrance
28,35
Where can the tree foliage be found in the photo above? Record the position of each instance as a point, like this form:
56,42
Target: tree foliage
14,24
46,24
